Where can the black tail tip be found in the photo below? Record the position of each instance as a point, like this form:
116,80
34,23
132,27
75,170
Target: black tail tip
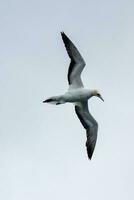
47,100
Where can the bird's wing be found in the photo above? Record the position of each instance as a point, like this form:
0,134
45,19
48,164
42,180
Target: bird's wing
76,65
89,124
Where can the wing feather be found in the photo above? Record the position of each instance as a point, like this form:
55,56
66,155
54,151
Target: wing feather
90,124
76,65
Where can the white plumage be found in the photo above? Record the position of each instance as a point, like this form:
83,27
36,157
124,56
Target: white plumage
78,95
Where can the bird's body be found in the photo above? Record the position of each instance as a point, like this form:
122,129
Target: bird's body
78,95
71,96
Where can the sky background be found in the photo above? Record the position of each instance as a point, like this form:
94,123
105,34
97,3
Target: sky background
42,147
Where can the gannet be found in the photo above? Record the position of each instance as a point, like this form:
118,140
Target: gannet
78,95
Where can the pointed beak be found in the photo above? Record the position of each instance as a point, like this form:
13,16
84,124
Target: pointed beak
101,98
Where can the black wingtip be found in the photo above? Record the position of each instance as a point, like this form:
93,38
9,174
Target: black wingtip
64,36
90,156
62,33
90,153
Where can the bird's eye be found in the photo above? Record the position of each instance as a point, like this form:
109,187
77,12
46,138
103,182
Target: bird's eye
98,94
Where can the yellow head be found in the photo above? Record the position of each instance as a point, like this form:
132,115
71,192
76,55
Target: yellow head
97,94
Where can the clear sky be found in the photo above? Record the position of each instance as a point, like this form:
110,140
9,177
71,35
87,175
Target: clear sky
42,147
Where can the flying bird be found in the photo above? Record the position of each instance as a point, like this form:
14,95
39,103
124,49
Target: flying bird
78,95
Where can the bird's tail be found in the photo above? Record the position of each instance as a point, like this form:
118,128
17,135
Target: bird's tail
56,100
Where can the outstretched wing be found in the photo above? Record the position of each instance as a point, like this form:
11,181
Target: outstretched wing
90,124
76,65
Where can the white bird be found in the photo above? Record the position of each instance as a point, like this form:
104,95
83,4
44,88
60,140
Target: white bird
78,95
